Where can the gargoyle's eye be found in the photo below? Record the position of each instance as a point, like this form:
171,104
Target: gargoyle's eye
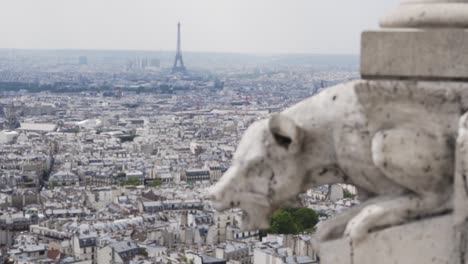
282,140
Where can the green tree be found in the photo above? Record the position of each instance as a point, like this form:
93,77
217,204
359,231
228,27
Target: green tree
144,252
53,184
348,194
282,222
155,183
131,181
293,221
306,217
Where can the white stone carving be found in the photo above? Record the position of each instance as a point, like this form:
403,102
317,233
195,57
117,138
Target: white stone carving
394,140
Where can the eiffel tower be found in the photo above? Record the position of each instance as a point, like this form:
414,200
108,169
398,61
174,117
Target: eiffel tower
179,62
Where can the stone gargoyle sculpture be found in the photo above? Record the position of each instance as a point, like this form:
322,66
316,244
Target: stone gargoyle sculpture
395,141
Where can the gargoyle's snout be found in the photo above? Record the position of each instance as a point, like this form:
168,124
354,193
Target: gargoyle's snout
221,194
216,197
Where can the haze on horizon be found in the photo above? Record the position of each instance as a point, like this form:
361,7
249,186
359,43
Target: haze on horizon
240,26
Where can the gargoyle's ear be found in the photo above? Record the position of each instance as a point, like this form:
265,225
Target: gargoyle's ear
286,133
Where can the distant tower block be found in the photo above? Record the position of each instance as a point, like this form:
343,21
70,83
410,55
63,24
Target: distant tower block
179,62
11,116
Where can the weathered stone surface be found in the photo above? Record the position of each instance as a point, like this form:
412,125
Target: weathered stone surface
425,241
336,251
428,13
461,191
415,53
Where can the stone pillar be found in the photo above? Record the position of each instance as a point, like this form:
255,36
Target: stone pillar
426,40
421,39
422,46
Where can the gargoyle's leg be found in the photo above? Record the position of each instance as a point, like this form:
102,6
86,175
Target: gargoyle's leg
421,162
334,227
391,212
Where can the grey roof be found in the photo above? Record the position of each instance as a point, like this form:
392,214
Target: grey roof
231,247
208,259
123,246
197,172
38,127
87,241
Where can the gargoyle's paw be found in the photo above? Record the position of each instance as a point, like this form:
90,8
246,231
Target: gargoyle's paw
324,233
327,230
356,231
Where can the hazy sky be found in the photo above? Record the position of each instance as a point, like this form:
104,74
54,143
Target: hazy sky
253,26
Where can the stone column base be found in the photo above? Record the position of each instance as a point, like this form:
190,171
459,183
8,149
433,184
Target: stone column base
426,241
416,54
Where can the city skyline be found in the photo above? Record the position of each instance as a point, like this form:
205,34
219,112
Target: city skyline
304,27
110,154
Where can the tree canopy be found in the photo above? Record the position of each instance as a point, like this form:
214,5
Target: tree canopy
155,183
293,221
132,181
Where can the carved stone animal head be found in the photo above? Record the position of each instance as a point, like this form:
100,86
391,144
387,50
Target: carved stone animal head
266,171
